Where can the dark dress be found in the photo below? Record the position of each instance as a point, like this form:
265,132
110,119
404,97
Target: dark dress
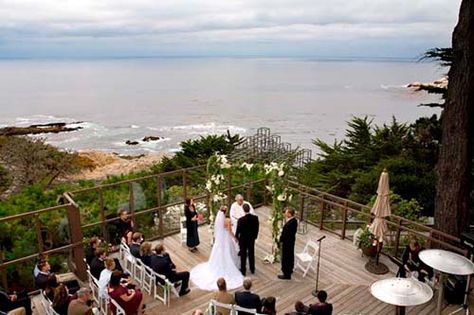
287,240
130,307
192,239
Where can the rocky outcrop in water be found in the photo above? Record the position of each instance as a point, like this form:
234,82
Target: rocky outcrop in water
38,129
151,138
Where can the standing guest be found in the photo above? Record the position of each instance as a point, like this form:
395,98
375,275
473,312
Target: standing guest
248,299
14,305
222,296
81,305
246,234
161,263
129,299
411,262
237,211
125,226
145,253
104,278
61,299
90,250
137,240
321,308
192,238
269,306
287,239
98,263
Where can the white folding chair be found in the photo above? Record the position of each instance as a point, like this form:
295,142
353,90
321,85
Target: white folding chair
162,284
213,305
183,230
148,280
94,286
306,260
237,309
118,309
138,269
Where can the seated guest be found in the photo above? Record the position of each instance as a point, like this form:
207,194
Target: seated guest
61,299
98,263
41,257
412,262
81,305
90,251
41,279
222,296
104,278
269,306
51,286
124,226
248,299
146,253
161,263
321,308
129,299
300,309
14,305
137,240
198,312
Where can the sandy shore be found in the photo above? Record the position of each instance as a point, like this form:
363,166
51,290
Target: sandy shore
107,164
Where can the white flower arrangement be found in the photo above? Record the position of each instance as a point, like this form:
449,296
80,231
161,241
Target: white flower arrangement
281,173
247,166
281,197
270,188
209,185
219,197
269,259
222,161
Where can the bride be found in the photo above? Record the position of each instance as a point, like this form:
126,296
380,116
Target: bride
223,261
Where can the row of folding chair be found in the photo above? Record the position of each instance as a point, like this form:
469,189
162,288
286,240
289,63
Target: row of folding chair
148,280
232,308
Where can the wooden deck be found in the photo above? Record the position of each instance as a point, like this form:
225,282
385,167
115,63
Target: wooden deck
342,275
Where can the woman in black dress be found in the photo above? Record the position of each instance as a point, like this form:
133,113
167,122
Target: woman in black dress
192,240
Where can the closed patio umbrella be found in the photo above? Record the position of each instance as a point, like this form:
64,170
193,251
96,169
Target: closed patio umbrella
380,210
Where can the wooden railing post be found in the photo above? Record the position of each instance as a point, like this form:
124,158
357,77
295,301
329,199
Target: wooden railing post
302,200
102,215
39,237
74,218
397,238
321,221
3,271
131,202
344,219
229,190
185,185
158,204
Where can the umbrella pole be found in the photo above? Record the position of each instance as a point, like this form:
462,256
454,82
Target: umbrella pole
400,310
439,306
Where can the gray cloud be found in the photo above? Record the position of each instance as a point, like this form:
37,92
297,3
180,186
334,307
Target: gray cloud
188,23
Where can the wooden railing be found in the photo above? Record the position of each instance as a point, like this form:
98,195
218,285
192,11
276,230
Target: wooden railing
88,213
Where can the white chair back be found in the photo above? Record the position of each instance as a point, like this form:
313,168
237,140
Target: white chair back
148,280
183,230
118,309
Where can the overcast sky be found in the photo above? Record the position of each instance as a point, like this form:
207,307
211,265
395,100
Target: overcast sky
312,28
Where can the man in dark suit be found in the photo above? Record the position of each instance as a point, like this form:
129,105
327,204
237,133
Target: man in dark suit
287,240
136,243
98,263
321,308
248,299
246,233
161,263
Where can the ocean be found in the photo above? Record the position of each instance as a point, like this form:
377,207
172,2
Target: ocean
180,98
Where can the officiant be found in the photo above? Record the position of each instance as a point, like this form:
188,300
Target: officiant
192,222
236,211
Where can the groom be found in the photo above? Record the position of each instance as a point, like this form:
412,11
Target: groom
247,232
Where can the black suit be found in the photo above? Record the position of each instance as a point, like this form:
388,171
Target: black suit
287,240
320,309
135,250
248,299
41,280
96,267
246,233
163,265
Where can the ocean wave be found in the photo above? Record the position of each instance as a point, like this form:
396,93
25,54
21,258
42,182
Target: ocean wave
42,119
134,126
206,128
392,86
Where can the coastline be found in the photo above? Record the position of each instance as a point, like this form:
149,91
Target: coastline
104,164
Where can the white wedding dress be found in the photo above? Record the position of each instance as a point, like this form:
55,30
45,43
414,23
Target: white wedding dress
223,261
